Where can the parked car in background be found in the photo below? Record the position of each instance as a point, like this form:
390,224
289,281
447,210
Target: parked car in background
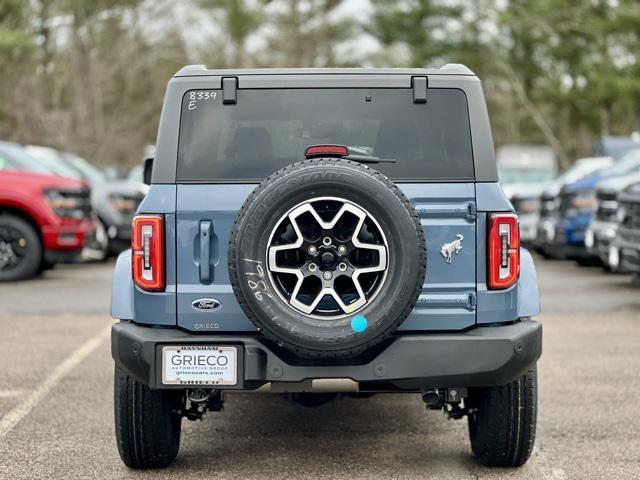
577,204
616,146
44,218
136,173
114,201
602,229
525,164
526,203
627,240
545,235
524,172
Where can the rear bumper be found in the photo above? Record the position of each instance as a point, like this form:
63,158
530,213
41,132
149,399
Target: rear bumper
483,356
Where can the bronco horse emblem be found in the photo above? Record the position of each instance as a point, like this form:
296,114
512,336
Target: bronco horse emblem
450,248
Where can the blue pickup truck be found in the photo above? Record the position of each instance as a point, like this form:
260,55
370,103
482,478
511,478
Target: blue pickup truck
324,232
577,205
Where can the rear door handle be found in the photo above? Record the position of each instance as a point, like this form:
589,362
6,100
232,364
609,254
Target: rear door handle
206,232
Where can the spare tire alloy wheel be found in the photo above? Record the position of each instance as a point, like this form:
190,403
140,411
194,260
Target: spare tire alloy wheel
327,258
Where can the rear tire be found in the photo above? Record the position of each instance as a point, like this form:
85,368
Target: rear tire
503,427
25,243
147,425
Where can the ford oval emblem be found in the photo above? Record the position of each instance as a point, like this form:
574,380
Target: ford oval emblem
206,304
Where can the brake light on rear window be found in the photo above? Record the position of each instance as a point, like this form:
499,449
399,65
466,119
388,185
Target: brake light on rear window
147,252
326,150
503,267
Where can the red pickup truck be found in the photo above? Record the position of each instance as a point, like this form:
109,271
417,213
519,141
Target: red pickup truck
44,219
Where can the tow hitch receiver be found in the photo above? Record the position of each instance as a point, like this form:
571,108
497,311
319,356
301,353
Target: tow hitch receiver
450,400
199,401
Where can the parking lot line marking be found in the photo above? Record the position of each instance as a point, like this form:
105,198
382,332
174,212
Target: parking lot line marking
21,410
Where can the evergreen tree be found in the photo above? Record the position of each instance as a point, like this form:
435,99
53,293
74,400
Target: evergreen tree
418,26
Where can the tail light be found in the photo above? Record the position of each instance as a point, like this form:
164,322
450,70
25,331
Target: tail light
147,247
503,266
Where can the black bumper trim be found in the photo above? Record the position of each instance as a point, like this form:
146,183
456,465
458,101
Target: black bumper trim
483,356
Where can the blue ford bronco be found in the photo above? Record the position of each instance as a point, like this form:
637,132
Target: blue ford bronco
323,232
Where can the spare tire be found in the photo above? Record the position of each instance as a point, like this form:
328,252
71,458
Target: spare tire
327,258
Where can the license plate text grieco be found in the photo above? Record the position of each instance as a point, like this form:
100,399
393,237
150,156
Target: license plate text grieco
214,365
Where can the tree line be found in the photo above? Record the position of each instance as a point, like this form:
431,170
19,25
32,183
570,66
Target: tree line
89,75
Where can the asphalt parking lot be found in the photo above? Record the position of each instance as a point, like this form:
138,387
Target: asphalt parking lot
56,418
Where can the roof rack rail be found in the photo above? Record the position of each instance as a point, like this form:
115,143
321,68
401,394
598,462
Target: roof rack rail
448,69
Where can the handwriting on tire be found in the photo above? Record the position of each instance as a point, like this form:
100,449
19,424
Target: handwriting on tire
256,280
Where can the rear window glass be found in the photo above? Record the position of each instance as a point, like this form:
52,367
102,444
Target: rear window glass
269,129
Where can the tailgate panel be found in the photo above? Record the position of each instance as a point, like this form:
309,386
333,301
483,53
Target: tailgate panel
447,301
205,216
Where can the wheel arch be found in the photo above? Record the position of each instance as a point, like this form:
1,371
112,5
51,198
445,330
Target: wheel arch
528,295
122,289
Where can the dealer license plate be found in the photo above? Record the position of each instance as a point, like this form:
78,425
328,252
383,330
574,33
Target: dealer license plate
199,365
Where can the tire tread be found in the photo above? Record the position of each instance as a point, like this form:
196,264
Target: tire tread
147,428
502,430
